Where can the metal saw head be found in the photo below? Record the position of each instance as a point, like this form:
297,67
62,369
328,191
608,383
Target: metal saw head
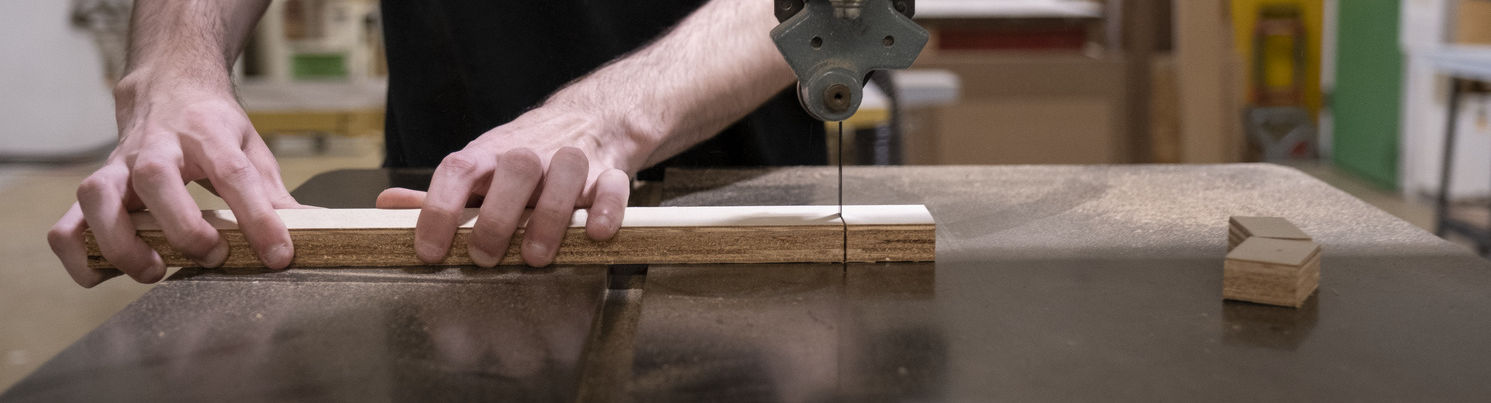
833,45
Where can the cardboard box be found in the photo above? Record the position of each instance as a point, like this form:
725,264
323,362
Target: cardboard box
1047,130
1473,22
1033,108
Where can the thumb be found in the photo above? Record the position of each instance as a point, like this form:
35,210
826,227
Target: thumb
400,198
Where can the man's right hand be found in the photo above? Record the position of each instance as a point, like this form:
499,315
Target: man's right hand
171,133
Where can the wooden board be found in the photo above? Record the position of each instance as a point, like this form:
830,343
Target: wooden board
1272,271
648,235
903,233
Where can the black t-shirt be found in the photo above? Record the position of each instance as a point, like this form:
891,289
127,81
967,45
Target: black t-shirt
458,68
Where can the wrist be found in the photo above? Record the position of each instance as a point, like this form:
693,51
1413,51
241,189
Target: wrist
628,133
144,90
143,82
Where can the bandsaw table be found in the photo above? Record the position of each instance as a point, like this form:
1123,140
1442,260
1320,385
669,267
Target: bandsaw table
1051,283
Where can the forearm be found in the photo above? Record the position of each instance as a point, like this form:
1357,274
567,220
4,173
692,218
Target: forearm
189,41
715,67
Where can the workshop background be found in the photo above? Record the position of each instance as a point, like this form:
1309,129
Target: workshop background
1352,92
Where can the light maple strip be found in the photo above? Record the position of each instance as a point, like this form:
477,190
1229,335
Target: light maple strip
648,235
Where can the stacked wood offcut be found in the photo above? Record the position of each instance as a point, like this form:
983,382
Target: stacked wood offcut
1269,261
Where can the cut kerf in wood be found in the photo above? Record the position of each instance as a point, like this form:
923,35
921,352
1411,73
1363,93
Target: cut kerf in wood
648,235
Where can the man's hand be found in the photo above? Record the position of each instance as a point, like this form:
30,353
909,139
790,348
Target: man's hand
178,122
168,138
554,158
579,147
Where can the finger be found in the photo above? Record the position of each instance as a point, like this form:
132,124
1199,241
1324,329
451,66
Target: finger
513,182
400,198
269,169
612,189
237,180
551,215
66,239
101,199
441,213
158,183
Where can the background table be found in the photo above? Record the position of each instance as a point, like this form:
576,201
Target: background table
1464,65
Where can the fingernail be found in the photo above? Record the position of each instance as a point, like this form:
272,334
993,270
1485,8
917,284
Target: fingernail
428,253
156,275
280,256
156,272
537,249
216,257
481,257
603,222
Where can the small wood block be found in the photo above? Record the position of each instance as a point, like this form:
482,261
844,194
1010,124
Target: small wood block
890,234
1242,228
1272,271
648,235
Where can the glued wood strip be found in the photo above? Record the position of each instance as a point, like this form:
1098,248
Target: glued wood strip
327,238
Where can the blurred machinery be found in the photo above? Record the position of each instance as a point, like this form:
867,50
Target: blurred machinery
834,45
1276,120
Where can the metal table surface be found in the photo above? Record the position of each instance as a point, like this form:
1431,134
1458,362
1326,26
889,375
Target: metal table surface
1051,283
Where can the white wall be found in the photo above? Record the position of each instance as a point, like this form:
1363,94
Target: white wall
53,97
1425,94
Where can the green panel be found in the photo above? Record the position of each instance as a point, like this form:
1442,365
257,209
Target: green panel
1365,104
319,65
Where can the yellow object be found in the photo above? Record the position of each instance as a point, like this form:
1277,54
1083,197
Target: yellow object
1278,71
344,122
1244,23
865,117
